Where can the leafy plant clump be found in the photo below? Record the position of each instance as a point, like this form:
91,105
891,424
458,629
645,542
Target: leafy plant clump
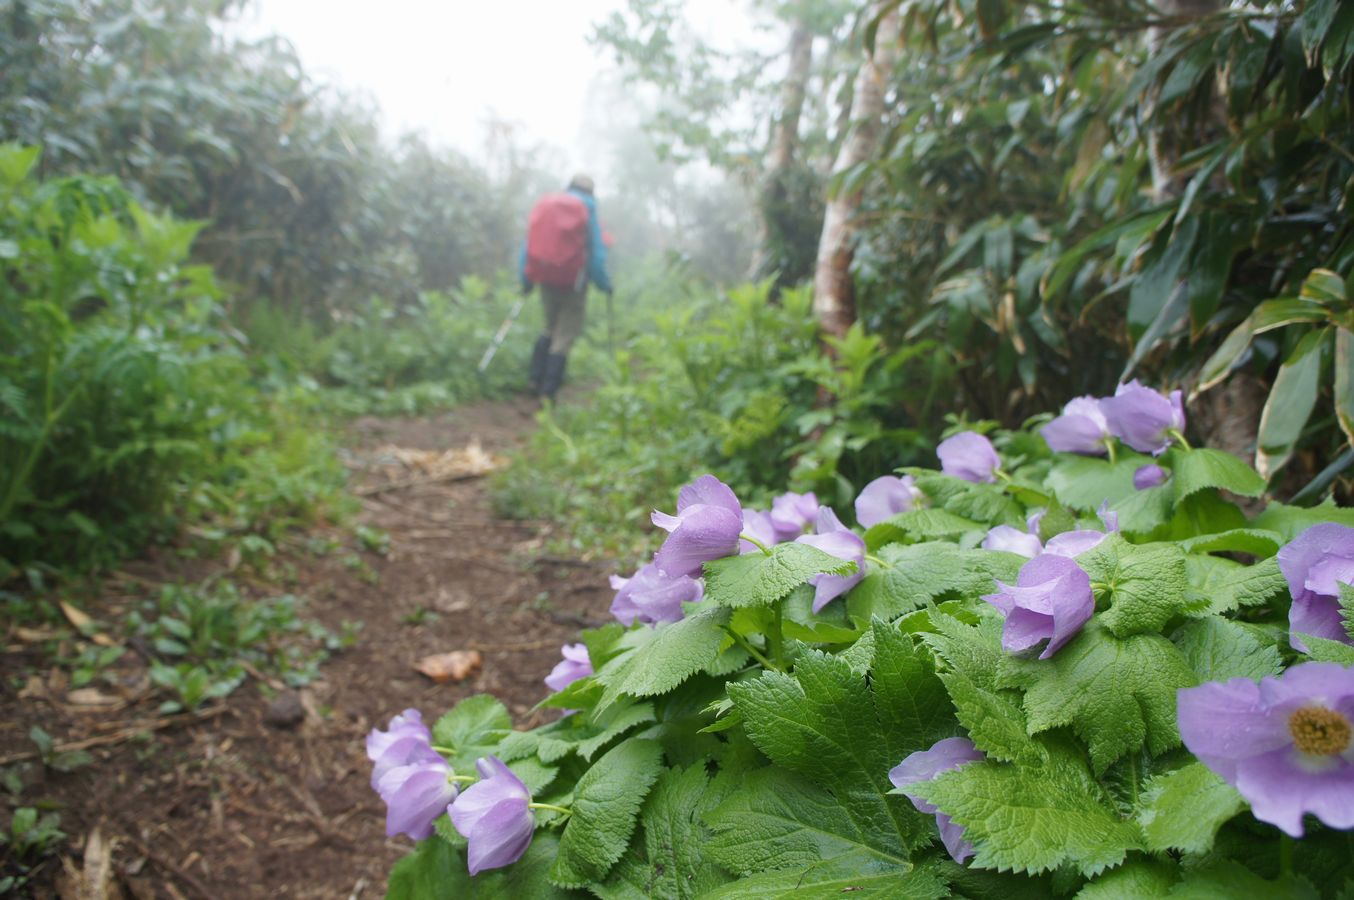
732,381
127,405
1031,673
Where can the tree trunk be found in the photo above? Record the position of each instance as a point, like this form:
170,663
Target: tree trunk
833,295
783,148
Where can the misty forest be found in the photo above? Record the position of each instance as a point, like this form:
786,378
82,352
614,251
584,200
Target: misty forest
904,453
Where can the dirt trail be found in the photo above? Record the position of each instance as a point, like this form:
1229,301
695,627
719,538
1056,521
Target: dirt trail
232,807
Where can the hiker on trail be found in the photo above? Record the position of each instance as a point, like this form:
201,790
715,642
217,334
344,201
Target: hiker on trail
564,250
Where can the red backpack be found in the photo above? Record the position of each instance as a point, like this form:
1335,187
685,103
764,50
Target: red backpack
557,241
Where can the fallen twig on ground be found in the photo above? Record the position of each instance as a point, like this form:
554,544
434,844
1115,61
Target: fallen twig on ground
125,733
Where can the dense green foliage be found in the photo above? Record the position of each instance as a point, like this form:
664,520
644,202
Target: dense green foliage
729,382
126,395
304,203
745,750
1071,192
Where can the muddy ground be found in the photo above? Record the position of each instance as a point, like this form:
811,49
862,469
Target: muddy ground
236,802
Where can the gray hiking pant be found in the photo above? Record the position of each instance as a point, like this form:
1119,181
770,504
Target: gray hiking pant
563,315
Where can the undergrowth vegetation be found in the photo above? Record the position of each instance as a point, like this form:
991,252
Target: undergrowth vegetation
129,404
730,382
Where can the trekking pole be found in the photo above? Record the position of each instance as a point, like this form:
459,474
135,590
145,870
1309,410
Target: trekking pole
610,326
502,334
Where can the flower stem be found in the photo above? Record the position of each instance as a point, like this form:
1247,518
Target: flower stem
445,751
462,778
1285,854
874,560
1109,446
752,651
1175,433
756,543
775,640
552,807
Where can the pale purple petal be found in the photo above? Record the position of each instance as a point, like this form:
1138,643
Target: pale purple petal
416,801
791,513
1149,476
1244,731
708,490
704,533
1314,564
1143,418
924,765
884,498
1108,517
407,724
1050,601
493,816
1013,540
1080,429
651,596
1036,517
757,524
574,666
970,456
843,545
1073,543
952,836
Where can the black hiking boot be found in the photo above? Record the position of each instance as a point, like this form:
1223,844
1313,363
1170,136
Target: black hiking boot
554,375
536,371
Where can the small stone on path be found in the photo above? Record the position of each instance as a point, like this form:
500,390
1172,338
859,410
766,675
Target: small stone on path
285,711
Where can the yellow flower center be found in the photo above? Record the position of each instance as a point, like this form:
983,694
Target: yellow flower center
1320,731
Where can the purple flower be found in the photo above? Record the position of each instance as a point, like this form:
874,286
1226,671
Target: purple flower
791,513
1284,743
1080,429
831,536
651,596
1315,564
574,666
968,455
1149,476
493,816
409,775
1013,540
1070,544
758,524
708,522
924,765
1142,418
1049,602
884,498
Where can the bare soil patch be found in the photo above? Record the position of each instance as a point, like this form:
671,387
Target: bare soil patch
226,805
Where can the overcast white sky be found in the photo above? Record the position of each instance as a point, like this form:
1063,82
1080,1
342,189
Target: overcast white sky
443,67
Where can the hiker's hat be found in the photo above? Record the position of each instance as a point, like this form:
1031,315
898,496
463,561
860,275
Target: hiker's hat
582,183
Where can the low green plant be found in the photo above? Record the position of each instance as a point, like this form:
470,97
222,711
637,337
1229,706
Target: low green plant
30,838
1034,674
210,636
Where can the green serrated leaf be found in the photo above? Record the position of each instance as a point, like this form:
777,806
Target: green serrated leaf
1232,586
910,699
920,573
606,803
1290,521
1254,541
1326,650
821,723
776,820
1138,878
994,721
1217,649
1085,482
1183,810
833,881
1203,467
1147,584
1033,819
759,579
1117,693
984,503
674,652
917,525
473,728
